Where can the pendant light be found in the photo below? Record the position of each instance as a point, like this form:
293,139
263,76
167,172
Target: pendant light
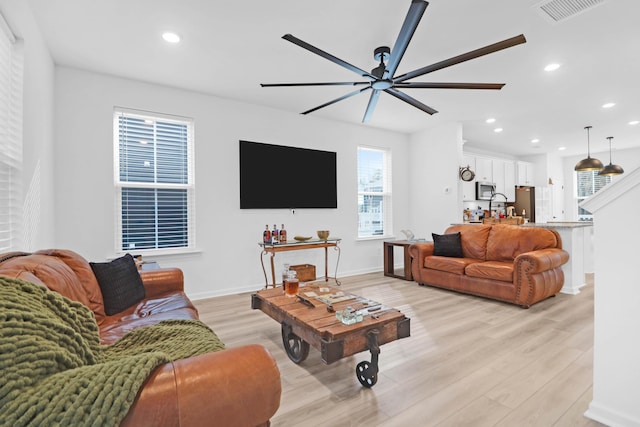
611,169
588,164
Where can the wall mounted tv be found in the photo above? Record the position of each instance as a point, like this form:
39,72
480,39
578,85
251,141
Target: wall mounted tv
280,177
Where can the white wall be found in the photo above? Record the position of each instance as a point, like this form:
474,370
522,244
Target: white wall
435,203
226,235
37,171
616,377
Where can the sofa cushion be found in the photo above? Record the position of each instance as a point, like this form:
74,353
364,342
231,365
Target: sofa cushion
506,242
119,282
495,270
448,245
448,264
473,238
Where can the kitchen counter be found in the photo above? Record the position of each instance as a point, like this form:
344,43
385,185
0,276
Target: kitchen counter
567,224
577,239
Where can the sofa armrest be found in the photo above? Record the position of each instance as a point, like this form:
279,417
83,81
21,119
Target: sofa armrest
541,260
162,280
418,252
537,275
234,387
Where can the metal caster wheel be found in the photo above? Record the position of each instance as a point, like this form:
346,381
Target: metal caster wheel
297,349
366,374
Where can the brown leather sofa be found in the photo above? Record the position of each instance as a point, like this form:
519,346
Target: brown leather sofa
232,387
511,263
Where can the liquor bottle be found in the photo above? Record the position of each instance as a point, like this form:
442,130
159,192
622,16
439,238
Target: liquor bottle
266,235
283,234
274,235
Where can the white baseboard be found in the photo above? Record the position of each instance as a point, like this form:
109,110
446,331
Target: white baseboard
610,417
571,290
256,287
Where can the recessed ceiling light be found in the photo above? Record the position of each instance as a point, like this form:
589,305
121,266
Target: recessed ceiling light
497,130
171,37
552,67
535,140
562,148
634,122
491,120
608,105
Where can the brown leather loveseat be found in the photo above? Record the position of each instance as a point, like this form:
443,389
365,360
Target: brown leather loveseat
511,263
233,387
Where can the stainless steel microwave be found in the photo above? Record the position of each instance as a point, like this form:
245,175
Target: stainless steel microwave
484,190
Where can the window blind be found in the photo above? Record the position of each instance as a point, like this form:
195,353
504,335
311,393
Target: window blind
10,139
155,181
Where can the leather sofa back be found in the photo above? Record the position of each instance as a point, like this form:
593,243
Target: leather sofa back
473,238
501,242
506,242
62,271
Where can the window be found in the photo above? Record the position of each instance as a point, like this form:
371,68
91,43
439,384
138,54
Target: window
10,140
154,181
587,184
374,192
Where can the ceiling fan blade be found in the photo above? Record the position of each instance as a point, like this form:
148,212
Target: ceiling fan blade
410,100
326,55
419,85
513,41
315,84
373,100
326,104
416,10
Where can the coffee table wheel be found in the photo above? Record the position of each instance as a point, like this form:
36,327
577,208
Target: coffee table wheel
366,374
297,349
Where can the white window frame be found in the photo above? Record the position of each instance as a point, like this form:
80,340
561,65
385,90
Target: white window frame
579,199
119,184
385,193
11,93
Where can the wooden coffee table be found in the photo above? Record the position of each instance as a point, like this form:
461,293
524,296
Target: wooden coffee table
310,319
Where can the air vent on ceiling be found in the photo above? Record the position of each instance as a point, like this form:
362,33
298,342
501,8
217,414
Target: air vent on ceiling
559,10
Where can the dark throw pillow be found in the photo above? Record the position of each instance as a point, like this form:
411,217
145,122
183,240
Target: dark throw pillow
447,245
120,283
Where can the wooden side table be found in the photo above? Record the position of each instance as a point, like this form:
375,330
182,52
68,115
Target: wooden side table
389,269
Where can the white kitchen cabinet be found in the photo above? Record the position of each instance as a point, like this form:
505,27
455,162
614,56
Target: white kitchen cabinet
484,169
525,174
504,176
510,180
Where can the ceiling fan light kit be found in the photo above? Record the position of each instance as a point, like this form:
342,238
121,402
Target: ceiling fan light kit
383,78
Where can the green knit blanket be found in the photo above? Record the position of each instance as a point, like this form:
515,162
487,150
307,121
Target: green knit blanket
54,372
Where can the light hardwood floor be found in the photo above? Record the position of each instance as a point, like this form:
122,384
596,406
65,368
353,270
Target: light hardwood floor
468,362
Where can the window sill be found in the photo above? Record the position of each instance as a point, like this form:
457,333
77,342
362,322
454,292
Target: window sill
381,237
159,253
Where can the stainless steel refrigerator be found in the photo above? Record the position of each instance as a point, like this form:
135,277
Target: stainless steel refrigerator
526,200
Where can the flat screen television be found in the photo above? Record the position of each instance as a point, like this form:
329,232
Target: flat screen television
277,176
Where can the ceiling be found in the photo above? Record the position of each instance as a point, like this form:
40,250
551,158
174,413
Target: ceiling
229,47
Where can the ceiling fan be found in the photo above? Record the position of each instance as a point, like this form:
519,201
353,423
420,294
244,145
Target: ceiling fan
383,78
